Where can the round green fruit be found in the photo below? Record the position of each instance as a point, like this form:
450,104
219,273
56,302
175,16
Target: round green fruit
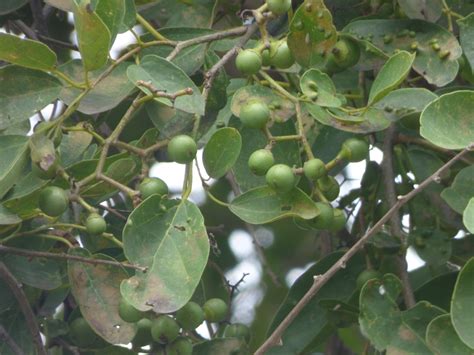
281,178
355,149
367,275
339,221
314,169
53,201
237,330
329,186
278,7
260,161
282,57
95,224
81,333
190,316
152,186
345,53
248,62
182,149
215,310
143,335
129,313
181,346
164,329
325,218
266,60
254,114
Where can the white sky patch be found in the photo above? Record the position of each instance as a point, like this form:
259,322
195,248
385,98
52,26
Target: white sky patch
413,259
240,242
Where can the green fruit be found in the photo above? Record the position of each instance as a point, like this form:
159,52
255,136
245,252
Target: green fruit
248,62
129,313
182,149
278,7
367,275
143,334
282,57
81,333
53,201
254,114
281,178
355,149
45,174
190,316
181,346
151,186
314,169
215,310
237,330
260,161
345,54
329,186
95,224
266,58
325,218
339,221
164,329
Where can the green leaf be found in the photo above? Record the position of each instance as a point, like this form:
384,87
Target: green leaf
385,325
7,217
433,246
14,153
112,13
392,74
73,146
429,10
312,323
461,304
438,67
7,6
129,17
170,239
438,289
319,87
468,216
447,121
17,327
264,205
26,53
466,32
166,76
96,289
222,151
23,92
93,36
312,33
461,190
442,338
226,346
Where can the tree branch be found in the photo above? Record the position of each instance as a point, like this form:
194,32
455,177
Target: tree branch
62,256
20,296
321,280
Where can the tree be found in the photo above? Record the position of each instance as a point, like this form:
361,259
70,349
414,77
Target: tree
282,97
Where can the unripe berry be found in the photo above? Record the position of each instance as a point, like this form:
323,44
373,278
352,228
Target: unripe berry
260,161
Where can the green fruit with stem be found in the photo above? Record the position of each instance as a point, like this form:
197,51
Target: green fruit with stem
345,54
181,346
255,114
95,224
215,310
129,313
143,335
329,186
325,218
367,275
190,316
355,149
260,161
248,62
164,329
314,169
282,57
278,7
281,178
53,201
152,186
182,149
339,220
81,333
237,330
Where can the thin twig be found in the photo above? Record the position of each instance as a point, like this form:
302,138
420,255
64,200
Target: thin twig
42,254
20,296
321,280
7,339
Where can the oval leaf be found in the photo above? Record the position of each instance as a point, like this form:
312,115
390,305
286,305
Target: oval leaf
466,33
319,87
442,338
222,151
14,153
96,288
392,74
264,205
461,304
447,121
170,239
461,190
468,216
